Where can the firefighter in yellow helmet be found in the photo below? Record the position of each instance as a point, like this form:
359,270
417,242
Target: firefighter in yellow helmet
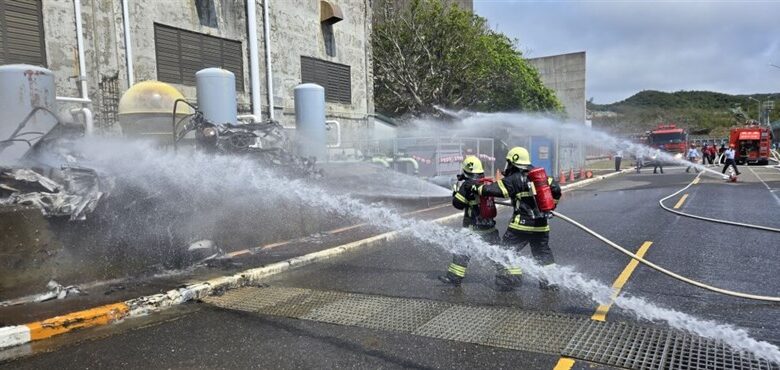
464,197
528,225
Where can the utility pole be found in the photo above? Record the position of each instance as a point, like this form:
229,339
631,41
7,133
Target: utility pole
758,112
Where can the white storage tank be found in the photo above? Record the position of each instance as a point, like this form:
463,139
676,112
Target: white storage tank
24,89
310,121
217,95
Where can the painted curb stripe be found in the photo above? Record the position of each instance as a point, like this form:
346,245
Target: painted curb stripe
14,335
81,319
20,334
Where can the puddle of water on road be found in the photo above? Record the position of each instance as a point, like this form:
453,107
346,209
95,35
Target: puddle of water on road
216,177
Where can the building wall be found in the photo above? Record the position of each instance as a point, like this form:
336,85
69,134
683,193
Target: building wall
295,31
565,74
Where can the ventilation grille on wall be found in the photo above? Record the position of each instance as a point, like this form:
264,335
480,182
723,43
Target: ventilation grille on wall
181,53
335,78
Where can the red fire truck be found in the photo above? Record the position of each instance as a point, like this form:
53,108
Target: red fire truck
673,138
752,143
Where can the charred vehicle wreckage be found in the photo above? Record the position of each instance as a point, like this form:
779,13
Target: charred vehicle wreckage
73,191
264,142
69,215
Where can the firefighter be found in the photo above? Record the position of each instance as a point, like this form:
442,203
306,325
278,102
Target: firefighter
465,197
693,157
730,161
528,225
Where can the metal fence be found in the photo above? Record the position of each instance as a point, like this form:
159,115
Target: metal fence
432,156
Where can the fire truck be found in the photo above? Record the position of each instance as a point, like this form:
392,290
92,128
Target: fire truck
752,143
673,138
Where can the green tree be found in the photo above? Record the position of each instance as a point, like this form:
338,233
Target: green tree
427,54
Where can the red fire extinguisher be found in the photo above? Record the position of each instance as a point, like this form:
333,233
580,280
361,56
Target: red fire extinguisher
544,198
487,205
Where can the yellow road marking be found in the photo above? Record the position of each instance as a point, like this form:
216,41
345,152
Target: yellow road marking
681,201
601,311
564,363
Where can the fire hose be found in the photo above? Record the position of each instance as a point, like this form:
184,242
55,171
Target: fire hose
659,268
726,222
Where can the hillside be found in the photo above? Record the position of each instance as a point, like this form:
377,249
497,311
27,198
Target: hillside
702,112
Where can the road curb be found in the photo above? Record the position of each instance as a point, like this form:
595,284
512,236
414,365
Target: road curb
11,336
20,334
591,180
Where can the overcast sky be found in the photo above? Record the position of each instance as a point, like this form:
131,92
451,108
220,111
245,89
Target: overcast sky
632,46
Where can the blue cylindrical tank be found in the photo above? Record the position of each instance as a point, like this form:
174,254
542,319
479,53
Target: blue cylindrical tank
217,95
23,88
310,121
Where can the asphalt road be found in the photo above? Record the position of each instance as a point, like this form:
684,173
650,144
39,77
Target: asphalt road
624,209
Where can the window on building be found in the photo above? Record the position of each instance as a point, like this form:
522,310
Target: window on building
181,53
330,39
207,13
335,78
21,32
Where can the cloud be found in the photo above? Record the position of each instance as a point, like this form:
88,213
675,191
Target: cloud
633,46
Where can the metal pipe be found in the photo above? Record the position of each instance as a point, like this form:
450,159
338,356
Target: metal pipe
254,118
66,99
80,46
254,63
409,160
268,72
128,44
89,123
381,161
338,133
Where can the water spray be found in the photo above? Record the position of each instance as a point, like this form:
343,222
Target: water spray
535,124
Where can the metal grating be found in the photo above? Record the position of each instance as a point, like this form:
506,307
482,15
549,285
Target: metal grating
642,347
622,345
335,78
463,324
404,315
180,54
535,332
22,39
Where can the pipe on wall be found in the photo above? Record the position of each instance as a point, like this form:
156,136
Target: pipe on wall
89,125
268,71
128,44
254,64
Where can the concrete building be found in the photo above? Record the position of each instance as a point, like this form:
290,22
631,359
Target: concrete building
321,41
565,74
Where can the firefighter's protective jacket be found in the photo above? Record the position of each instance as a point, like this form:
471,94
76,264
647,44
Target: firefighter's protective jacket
519,189
467,199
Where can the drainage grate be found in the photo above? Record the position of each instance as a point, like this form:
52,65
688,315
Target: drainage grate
535,332
617,344
642,347
404,315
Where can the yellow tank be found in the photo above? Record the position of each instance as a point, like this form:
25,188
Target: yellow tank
146,111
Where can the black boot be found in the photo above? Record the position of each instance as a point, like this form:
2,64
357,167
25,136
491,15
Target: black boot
507,283
543,285
450,279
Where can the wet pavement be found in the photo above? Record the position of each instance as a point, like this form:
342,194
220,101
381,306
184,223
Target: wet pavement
624,209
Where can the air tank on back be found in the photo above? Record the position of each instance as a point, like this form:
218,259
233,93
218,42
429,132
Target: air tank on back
24,89
217,95
310,121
